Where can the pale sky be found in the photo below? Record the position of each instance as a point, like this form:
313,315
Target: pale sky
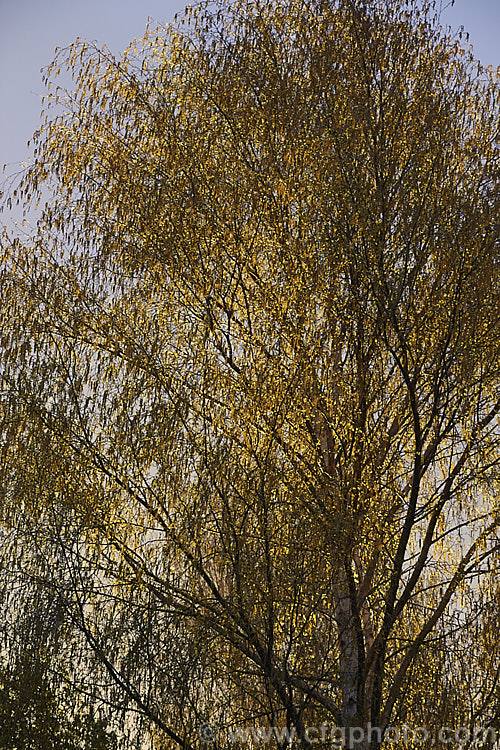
31,29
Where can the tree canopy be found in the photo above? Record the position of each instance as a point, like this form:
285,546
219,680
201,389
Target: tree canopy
250,376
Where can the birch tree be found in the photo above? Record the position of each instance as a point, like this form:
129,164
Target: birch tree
250,371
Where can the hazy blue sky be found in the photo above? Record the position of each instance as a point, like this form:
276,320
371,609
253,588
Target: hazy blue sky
31,29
